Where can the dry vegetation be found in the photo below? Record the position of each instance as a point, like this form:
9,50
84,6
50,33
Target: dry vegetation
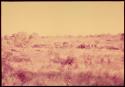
64,60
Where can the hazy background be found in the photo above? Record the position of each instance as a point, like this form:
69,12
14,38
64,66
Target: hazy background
63,18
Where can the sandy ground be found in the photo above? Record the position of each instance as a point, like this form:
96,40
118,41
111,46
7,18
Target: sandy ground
63,60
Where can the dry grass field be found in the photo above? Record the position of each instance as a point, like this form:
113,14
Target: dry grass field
34,60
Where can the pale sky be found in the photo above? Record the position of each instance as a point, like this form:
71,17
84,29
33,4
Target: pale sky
63,18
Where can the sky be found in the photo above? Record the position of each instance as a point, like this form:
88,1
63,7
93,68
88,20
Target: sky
63,18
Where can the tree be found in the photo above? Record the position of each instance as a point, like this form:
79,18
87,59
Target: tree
20,39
